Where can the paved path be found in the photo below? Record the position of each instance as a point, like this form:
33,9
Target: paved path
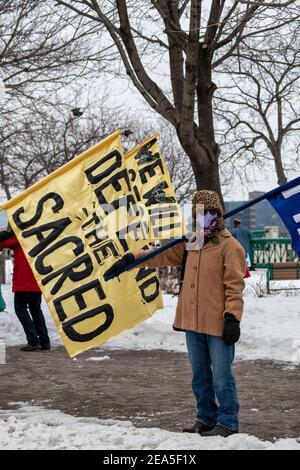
149,388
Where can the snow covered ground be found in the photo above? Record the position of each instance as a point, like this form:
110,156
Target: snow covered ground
270,330
270,326
37,428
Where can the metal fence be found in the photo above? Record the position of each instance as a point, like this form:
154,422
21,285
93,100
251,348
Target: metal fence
264,251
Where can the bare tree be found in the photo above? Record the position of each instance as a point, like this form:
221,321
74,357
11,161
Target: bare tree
40,53
177,162
40,50
184,41
268,4
259,103
40,139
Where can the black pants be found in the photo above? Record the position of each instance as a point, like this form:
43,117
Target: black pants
34,324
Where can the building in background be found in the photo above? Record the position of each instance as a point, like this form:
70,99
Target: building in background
261,216
253,209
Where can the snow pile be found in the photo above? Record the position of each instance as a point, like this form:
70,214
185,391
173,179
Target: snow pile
36,428
271,329
97,358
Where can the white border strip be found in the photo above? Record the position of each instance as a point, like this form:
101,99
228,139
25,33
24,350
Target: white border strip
290,192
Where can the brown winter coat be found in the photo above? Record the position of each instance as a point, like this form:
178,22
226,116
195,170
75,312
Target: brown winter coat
213,283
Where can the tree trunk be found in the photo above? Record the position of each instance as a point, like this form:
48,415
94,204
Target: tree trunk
205,169
281,178
207,176
204,151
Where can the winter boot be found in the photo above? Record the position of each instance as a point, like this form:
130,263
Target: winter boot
219,431
30,347
198,428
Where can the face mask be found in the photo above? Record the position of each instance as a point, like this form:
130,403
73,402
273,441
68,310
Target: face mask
208,219
204,221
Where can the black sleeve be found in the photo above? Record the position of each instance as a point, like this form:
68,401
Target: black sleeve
6,235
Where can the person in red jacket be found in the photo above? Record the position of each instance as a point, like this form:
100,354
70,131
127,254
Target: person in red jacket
27,296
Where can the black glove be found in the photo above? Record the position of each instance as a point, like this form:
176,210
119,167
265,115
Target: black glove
231,332
118,267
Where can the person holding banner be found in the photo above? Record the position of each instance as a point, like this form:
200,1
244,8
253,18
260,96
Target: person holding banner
27,296
209,310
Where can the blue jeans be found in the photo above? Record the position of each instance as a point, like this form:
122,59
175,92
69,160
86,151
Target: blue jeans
213,383
34,325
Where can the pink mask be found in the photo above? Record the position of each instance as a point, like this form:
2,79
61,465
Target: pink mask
208,219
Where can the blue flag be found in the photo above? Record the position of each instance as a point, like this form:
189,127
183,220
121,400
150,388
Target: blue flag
286,201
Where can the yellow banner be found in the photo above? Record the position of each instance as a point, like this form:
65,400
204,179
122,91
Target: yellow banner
154,191
62,224
76,222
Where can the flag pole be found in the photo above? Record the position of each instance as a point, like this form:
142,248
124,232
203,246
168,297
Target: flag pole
176,241
245,206
273,192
